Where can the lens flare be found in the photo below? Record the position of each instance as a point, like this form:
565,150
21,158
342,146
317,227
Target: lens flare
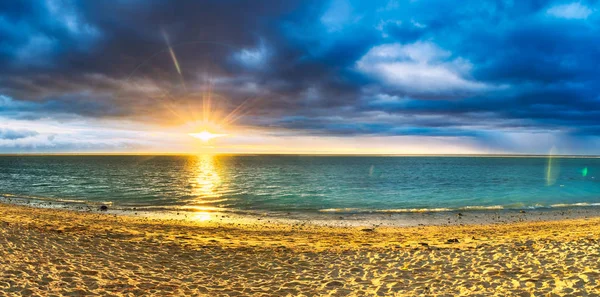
188,97
552,168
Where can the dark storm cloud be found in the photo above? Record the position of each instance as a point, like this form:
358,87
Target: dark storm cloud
339,67
339,127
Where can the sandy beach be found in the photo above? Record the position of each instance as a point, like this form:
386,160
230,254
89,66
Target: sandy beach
46,252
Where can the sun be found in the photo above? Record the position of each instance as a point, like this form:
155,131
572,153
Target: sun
206,136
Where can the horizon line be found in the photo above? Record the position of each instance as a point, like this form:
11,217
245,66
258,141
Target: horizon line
516,155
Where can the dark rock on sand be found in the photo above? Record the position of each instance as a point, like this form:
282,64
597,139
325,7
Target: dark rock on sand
103,208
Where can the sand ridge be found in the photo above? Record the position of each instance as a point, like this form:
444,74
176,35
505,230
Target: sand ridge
60,252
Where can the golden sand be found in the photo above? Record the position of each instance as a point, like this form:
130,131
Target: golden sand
48,252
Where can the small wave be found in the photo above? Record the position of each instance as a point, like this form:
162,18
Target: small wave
396,210
339,210
580,204
191,208
403,210
463,208
481,207
57,200
208,201
536,206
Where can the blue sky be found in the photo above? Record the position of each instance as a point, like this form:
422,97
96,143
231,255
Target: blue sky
335,76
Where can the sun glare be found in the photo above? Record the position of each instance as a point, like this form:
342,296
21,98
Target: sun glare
206,136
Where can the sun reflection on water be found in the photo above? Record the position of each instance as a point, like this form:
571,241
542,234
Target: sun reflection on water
206,180
206,187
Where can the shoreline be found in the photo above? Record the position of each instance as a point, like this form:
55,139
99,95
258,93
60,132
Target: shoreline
99,253
64,219
391,218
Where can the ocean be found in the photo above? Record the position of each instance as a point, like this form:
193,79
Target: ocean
303,184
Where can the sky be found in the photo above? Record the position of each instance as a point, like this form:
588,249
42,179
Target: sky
335,76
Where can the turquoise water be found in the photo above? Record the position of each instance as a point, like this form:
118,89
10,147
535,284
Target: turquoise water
304,183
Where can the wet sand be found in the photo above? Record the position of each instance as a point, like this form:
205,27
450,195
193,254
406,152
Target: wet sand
49,252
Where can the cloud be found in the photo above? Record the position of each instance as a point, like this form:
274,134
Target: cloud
574,10
401,31
67,14
420,67
12,134
253,57
480,71
80,135
36,51
338,15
